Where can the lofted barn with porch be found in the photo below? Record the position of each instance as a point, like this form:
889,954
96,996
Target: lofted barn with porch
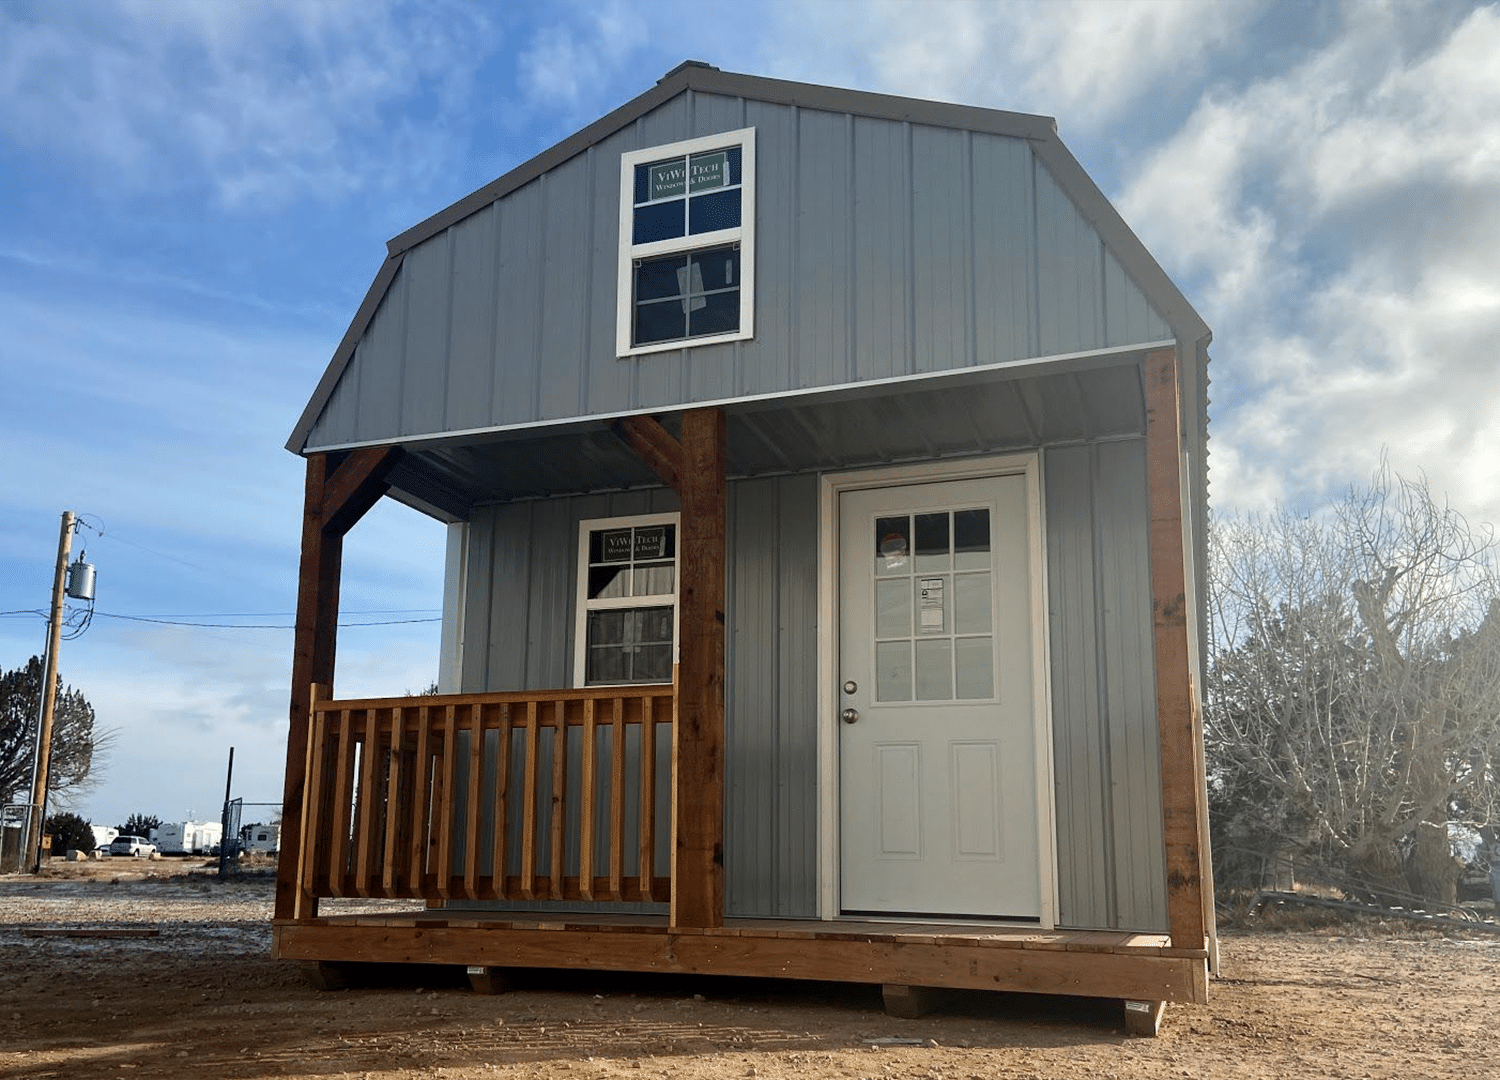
825,482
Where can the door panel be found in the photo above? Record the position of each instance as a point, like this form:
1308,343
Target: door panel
938,770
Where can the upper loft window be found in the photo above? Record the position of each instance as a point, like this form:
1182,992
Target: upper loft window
687,213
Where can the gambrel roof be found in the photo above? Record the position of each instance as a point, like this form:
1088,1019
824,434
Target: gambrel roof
995,248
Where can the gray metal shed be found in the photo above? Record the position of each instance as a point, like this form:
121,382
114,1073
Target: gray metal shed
894,378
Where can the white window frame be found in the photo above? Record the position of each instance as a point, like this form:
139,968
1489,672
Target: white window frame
744,236
583,605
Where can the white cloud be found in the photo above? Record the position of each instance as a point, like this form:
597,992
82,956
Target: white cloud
259,103
1333,223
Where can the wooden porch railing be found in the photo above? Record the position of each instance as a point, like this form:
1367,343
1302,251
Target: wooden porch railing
417,797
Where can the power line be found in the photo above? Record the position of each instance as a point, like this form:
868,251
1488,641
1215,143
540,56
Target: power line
252,626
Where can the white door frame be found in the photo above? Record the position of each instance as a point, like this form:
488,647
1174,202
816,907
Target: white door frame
1028,465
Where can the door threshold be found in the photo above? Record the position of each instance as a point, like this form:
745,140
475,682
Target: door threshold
938,917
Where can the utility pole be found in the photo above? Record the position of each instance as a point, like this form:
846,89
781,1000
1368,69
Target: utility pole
49,692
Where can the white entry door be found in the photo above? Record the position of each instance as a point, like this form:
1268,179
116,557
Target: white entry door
938,747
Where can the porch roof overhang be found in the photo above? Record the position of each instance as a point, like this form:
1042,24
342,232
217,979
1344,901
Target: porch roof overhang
1070,399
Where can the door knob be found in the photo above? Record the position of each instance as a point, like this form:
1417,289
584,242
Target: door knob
851,716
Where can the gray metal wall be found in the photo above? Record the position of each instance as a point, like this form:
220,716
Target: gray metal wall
1111,869
882,249
522,580
522,587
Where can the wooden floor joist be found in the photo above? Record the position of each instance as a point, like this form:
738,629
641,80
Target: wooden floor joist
1129,966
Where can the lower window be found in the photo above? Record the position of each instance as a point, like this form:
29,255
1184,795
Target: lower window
688,295
627,590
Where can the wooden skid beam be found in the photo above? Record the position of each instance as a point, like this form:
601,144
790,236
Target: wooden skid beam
1177,713
862,960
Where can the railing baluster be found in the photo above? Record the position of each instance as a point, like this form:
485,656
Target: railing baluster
586,805
390,872
416,866
314,813
647,868
617,802
559,794
528,807
471,815
367,808
442,803
343,799
502,790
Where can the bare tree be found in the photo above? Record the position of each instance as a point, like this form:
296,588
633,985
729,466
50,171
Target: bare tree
1354,695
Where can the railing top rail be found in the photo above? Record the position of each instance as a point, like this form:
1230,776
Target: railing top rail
596,693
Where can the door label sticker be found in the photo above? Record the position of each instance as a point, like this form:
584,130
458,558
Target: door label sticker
932,605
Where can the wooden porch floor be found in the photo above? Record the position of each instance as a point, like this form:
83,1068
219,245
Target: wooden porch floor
960,955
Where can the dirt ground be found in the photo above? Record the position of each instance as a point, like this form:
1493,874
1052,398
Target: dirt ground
204,999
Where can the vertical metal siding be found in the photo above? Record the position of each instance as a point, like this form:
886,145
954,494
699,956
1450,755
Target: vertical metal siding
1070,273
1129,690
425,349
1111,872
881,267
519,302
821,342
1004,250
377,387
1128,316
882,248
942,230
471,344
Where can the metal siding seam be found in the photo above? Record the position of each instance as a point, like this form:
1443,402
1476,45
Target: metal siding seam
1109,886
585,368
851,293
538,361
971,269
909,262
798,630
447,366
1034,284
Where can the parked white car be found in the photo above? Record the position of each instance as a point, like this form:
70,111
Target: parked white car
138,846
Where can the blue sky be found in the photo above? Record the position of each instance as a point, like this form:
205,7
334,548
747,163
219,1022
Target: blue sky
194,197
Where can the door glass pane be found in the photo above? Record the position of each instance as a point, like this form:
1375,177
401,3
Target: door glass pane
971,603
892,608
932,542
974,667
892,545
934,669
971,539
893,671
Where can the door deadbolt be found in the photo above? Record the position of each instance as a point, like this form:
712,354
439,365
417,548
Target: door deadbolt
851,716
850,686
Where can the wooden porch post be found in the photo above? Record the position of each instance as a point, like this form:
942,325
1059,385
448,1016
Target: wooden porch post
696,469
698,776
1177,711
334,499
